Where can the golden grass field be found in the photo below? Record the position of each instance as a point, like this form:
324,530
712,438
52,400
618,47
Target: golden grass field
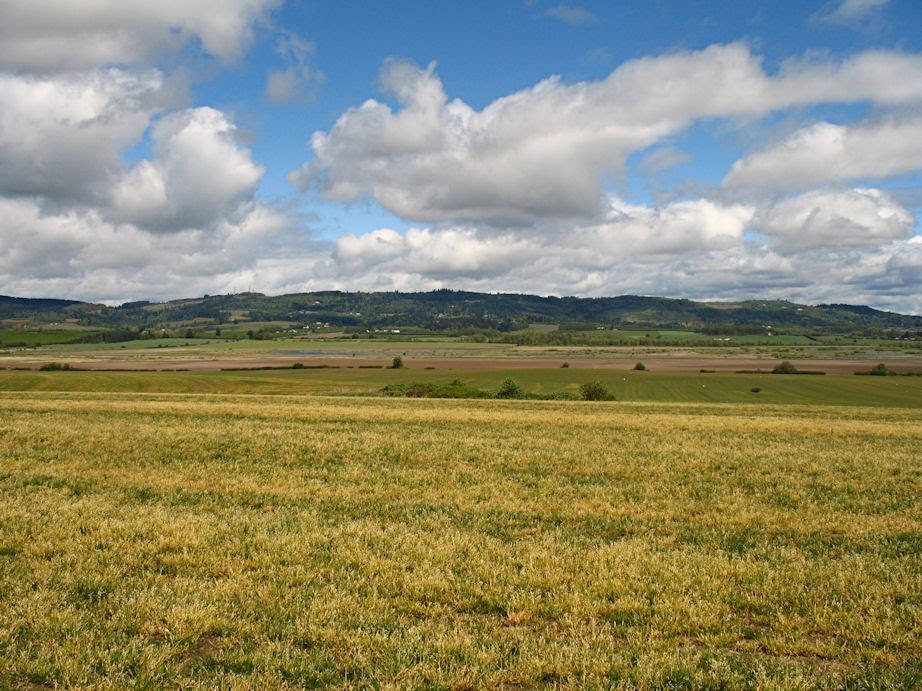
221,541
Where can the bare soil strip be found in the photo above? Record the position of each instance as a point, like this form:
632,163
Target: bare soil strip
660,362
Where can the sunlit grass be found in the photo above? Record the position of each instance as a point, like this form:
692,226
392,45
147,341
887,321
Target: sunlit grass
220,541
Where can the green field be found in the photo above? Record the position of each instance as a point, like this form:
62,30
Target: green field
625,385
215,541
30,338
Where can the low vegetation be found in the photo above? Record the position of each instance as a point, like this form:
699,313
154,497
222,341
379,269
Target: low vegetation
595,391
508,390
454,389
56,367
879,370
154,541
787,368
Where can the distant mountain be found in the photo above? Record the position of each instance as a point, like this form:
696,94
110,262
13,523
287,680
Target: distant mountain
453,311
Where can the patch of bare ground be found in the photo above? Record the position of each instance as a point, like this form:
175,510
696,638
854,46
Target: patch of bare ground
816,661
205,647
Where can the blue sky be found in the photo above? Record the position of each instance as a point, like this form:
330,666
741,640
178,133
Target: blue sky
711,150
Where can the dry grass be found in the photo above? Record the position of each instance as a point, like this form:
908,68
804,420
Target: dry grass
254,542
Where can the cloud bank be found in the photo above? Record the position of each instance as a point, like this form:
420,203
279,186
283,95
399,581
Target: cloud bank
828,153
113,187
78,90
805,251
545,152
56,35
524,178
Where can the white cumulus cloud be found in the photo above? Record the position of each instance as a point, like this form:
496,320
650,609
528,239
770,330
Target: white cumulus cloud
62,136
77,92
543,152
434,252
684,226
200,174
834,219
80,253
628,233
79,34
825,153
864,253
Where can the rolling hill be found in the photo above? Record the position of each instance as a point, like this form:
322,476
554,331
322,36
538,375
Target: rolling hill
453,311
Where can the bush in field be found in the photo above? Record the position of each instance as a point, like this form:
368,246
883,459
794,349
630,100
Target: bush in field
595,391
640,367
755,389
509,389
54,367
397,362
881,370
784,368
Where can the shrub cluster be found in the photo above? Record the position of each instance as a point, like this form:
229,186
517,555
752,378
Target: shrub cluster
56,367
456,389
595,391
787,368
880,370
508,390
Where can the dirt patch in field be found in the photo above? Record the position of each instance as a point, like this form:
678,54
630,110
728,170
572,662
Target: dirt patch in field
205,647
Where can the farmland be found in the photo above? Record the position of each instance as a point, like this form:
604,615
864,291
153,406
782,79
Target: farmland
38,337
221,539
625,384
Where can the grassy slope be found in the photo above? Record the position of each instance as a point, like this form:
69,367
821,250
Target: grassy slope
626,385
264,541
